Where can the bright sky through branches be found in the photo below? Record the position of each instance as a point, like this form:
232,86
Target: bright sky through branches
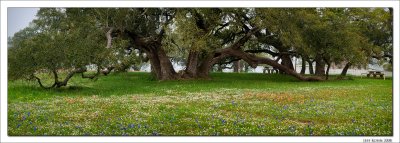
19,18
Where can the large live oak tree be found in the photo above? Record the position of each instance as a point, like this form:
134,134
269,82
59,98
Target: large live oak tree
199,38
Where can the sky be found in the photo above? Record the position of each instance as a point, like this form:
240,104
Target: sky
19,18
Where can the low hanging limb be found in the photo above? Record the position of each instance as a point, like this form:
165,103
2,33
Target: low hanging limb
40,82
107,70
254,61
91,76
58,83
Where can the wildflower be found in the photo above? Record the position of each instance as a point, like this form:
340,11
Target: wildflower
223,121
155,133
18,125
131,125
198,124
34,129
29,114
292,128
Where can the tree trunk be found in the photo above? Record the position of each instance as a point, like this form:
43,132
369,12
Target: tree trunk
191,65
246,67
219,68
166,69
207,64
327,71
161,66
344,71
319,66
310,67
286,61
236,66
303,65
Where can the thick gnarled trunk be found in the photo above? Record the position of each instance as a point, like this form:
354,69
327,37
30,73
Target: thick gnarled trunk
286,61
191,65
161,66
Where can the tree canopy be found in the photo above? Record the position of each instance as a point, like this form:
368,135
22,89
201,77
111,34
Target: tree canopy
71,39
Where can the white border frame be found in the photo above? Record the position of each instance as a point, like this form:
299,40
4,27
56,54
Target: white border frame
3,76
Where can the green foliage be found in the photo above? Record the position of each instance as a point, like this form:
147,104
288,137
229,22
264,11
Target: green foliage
64,39
55,42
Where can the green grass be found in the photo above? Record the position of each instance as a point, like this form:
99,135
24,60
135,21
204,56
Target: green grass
229,104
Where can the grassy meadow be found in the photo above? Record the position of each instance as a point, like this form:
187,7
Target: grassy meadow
231,104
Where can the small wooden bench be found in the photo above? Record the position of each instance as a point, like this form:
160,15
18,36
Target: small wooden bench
374,74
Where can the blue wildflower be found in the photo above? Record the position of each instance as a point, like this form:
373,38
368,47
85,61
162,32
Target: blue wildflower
131,125
198,124
29,114
18,125
34,129
223,121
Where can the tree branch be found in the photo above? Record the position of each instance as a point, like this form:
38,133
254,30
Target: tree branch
262,51
109,37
